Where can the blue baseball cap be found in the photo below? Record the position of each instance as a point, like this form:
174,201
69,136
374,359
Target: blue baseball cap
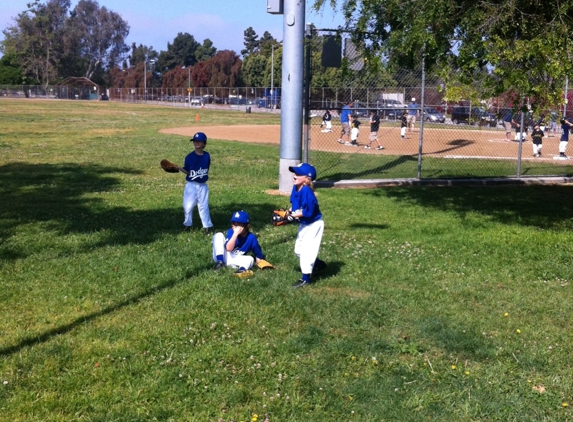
304,169
240,217
199,137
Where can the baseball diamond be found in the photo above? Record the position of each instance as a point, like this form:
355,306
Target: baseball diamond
438,142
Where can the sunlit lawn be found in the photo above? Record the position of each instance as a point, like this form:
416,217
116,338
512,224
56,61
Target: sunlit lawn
443,304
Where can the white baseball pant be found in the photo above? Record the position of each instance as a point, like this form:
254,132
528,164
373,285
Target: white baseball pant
354,134
231,259
403,131
563,146
307,244
196,194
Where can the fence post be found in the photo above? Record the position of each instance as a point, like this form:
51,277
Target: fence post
423,93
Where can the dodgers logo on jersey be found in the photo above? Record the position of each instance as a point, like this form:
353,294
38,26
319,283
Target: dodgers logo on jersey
198,174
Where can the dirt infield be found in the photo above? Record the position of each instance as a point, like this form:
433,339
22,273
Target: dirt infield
449,141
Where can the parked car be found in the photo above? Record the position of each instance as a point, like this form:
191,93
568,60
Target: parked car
267,102
390,109
360,109
433,115
198,101
473,115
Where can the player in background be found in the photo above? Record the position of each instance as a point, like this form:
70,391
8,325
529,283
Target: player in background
354,131
196,192
537,140
326,122
304,207
566,128
374,126
403,124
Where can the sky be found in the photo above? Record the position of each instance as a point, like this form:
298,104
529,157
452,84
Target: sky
154,23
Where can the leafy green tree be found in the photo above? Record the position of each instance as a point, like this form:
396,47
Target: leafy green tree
251,42
101,33
37,39
519,45
10,71
254,70
265,44
205,51
141,53
179,53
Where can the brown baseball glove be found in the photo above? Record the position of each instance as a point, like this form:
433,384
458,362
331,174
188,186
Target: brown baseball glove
280,216
169,167
265,265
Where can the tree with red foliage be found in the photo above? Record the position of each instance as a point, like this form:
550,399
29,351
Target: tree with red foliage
221,70
176,78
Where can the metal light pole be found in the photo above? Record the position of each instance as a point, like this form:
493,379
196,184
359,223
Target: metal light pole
145,79
189,84
273,72
145,76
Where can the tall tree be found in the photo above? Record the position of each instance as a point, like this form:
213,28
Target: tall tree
265,43
205,51
221,70
253,70
102,35
179,53
142,53
36,39
251,42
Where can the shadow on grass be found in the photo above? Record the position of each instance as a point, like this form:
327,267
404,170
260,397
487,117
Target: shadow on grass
544,207
66,328
363,173
370,226
62,197
449,336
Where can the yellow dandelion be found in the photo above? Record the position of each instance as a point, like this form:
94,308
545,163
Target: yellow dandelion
453,366
467,372
564,405
353,358
518,331
506,314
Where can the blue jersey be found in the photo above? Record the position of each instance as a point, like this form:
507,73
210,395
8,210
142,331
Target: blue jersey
198,167
305,200
345,114
412,109
245,244
565,127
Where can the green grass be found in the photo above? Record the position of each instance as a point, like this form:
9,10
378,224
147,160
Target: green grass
111,313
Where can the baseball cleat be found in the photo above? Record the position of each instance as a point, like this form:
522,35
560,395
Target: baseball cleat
300,283
242,273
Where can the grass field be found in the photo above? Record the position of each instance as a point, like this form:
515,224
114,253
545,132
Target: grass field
440,304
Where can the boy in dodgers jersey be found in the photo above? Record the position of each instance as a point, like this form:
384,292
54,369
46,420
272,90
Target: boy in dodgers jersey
304,206
196,191
232,249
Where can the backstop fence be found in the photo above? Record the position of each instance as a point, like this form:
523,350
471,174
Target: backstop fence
402,125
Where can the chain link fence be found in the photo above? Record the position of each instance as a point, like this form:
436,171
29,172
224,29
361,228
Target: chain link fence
400,124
